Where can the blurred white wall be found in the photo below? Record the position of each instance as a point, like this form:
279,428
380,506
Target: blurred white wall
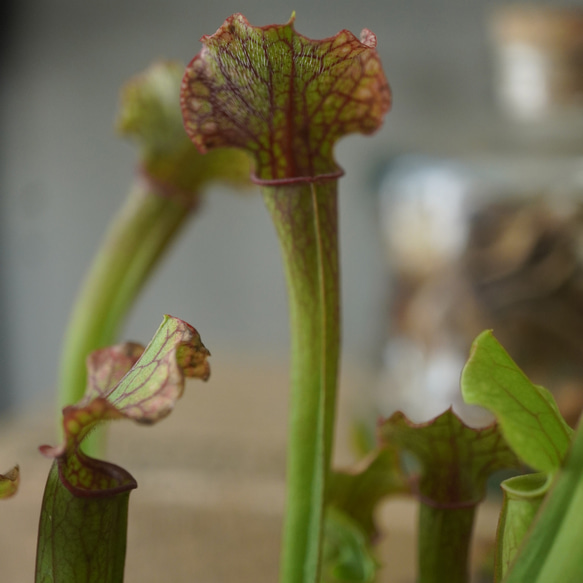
64,173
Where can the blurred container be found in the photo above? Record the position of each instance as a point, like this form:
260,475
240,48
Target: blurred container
538,54
491,236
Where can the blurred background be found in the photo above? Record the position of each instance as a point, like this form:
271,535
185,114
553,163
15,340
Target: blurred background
64,173
462,213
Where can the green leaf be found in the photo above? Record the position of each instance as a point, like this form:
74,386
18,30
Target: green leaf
128,381
523,496
347,556
358,491
151,388
551,550
82,532
9,482
527,413
456,460
283,97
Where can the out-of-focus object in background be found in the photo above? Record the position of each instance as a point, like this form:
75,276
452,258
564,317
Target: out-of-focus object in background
492,236
538,56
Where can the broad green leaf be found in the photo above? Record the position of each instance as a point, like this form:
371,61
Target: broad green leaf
523,496
358,491
552,550
347,556
283,97
9,482
456,460
527,413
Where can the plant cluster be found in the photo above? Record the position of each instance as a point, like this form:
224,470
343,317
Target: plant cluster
269,102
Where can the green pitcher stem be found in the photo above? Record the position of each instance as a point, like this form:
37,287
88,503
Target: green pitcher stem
139,235
81,539
306,220
445,535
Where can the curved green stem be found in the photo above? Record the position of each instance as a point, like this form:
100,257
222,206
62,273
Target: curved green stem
139,235
306,220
